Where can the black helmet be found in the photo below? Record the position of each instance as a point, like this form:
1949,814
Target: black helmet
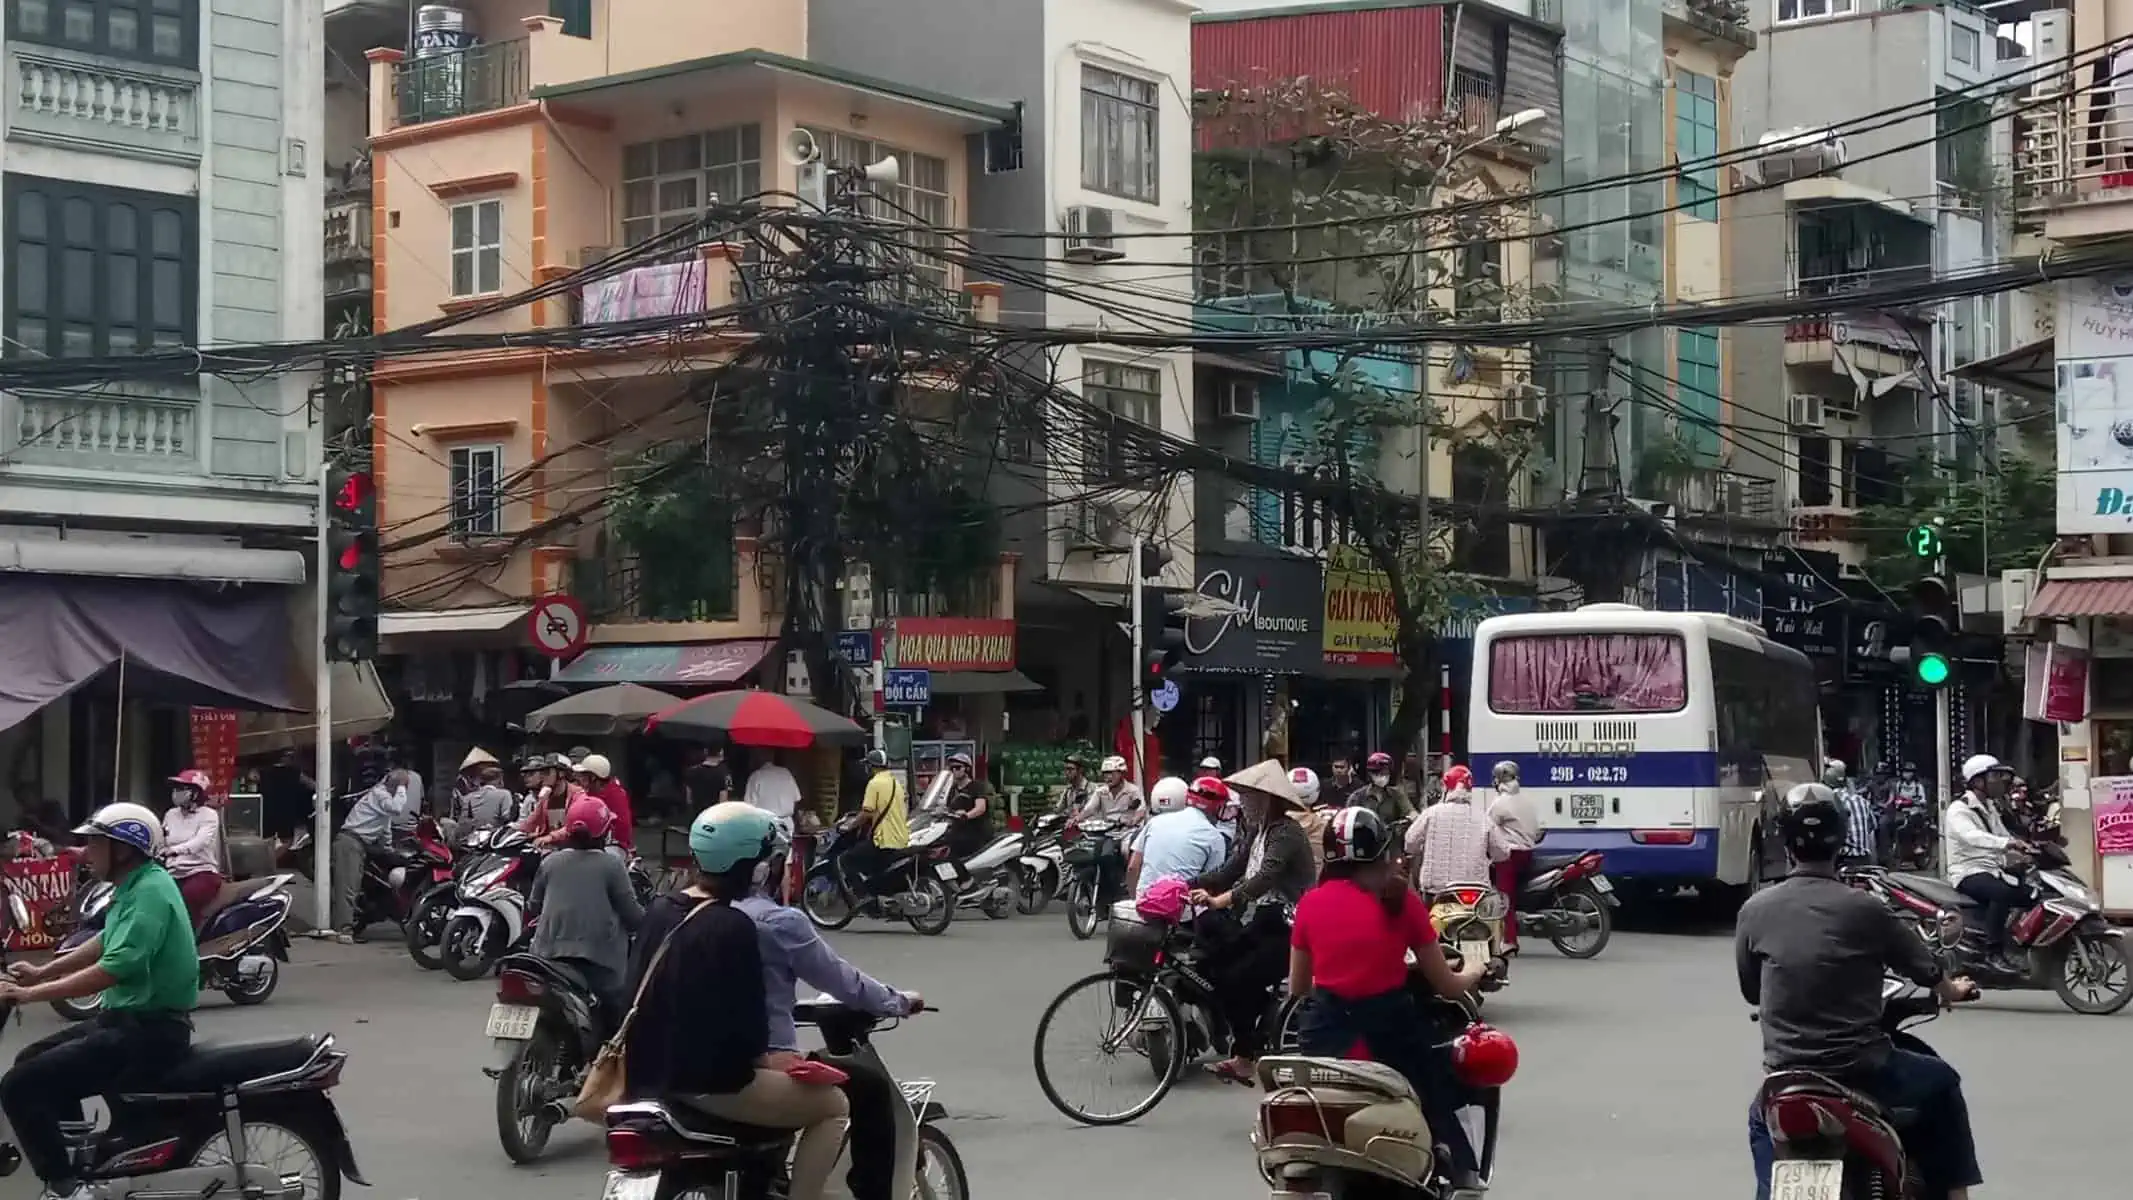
1813,824
877,759
1354,835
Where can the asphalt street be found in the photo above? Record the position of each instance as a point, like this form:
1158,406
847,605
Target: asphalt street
1636,1070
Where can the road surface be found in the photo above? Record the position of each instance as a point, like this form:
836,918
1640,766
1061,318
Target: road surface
1636,1071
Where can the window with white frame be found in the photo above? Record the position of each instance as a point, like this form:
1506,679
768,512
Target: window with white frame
1119,124
1120,444
477,492
1964,45
478,248
919,197
667,184
1814,10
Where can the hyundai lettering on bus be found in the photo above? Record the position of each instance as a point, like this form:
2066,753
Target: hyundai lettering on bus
1665,740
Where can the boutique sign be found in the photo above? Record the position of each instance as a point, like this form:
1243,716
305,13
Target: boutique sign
1270,621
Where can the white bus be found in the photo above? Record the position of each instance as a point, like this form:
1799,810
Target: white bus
1666,740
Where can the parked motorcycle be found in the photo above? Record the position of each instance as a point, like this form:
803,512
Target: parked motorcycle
243,939
913,884
393,879
548,1025
489,920
988,881
207,1126
1569,901
2061,942
1832,1140
657,1149
1345,1127
1039,873
1095,865
1469,919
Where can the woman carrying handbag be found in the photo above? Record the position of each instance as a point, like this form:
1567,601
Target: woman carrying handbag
698,1031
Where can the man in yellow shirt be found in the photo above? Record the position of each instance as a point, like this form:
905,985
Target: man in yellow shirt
884,815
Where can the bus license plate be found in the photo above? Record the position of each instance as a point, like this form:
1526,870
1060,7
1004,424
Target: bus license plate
1803,1179
514,1021
1588,808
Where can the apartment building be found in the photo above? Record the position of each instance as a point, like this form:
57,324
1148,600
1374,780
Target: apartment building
161,180
504,151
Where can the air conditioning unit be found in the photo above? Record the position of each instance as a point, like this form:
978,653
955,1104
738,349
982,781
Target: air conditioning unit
1089,229
1093,526
1805,411
1798,153
810,181
1237,400
1521,404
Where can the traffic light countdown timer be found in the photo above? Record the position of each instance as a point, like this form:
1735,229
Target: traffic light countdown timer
352,566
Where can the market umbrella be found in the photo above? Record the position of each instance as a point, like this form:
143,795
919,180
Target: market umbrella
610,711
753,718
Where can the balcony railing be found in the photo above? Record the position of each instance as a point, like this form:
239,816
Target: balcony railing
624,588
2070,150
1475,102
102,431
454,84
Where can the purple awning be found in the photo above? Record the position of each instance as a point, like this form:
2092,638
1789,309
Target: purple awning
183,644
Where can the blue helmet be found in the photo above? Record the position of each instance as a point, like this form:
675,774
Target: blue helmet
730,835
132,824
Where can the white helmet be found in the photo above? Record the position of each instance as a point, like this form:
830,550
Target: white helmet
1305,781
1112,763
132,824
1979,764
1167,795
1211,765
596,765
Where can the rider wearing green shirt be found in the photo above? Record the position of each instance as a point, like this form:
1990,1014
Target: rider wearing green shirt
148,969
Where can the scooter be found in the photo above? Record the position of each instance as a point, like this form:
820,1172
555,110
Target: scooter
1040,873
1469,917
990,880
548,1026
915,885
490,919
657,1149
1570,902
1094,860
242,936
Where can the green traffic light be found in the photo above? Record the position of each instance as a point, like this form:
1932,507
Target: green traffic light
1932,670
1924,541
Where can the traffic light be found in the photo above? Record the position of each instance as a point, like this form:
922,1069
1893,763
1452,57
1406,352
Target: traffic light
1933,626
1923,541
1162,626
351,565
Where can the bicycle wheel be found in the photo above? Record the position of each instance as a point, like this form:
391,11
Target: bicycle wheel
1126,1012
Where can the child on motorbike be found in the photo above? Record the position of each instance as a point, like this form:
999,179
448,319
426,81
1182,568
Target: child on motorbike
1348,953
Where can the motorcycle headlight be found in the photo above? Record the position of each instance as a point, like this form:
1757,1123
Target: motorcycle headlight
489,877
1951,928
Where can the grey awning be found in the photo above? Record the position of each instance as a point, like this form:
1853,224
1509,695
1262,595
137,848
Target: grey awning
142,559
982,683
492,619
2028,370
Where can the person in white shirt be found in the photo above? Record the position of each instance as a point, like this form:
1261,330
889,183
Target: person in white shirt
1180,841
772,788
1511,811
1117,798
1454,841
1973,841
192,841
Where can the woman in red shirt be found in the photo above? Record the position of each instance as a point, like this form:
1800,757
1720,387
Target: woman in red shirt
1348,951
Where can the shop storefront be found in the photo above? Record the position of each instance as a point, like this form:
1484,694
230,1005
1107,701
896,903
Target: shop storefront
2079,676
1259,639
970,673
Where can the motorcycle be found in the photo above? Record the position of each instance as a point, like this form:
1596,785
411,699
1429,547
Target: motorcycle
1095,865
1830,1140
2060,942
1914,836
1345,1127
1039,875
1570,902
547,1025
922,875
489,920
393,879
1468,918
989,879
242,937
660,1149
197,1129
433,907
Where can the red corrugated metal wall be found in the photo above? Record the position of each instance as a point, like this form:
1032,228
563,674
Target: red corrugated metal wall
1389,60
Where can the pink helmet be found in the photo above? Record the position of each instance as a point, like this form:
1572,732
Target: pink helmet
1456,777
194,778
589,816
1165,900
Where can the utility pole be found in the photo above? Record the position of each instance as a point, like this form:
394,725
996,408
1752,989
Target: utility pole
1139,698
322,704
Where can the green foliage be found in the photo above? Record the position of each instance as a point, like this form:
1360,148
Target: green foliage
2011,511
676,519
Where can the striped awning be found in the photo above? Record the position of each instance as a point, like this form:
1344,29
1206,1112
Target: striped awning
2082,598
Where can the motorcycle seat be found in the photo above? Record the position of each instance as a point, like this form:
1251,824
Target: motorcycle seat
745,1136
212,1066
1932,887
231,893
562,972
1809,1083
1549,862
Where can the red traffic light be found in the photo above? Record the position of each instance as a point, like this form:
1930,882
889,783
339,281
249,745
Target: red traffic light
355,492
351,556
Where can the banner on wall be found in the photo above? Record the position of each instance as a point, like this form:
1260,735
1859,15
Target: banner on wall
45,885
1361,629
2114,820
2094,389
214,733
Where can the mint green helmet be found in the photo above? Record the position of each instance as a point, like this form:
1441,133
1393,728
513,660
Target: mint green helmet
725,836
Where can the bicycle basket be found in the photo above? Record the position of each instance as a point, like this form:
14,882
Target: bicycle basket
1132,943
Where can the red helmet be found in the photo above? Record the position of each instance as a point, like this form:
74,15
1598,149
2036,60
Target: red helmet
1379,761
1210,795
588,815
1456,777
195,778
1484,1056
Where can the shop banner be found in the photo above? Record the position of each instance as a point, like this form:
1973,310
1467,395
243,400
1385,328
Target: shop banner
45,885
948,643
1361,629
2114,820
215,749
1270,620
2055,683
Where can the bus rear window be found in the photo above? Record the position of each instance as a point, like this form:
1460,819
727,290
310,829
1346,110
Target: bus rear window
1588,673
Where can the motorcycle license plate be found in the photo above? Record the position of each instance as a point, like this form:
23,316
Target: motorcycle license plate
514,1021
945,871
1588,808
1807,1179
627,1185
1473,952
1602,885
